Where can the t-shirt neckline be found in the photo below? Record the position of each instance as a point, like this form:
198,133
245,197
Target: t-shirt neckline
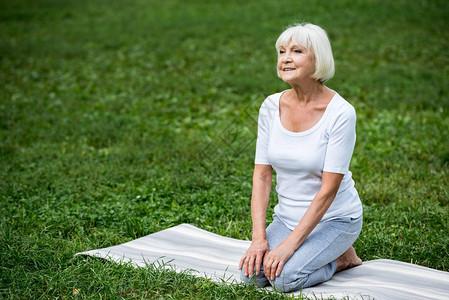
310,130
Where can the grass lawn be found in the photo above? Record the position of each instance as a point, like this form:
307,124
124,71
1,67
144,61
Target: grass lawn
122,118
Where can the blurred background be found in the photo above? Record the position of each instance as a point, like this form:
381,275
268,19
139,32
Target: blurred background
122,118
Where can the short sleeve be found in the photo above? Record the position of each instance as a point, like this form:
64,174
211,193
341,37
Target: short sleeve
341,142
266,112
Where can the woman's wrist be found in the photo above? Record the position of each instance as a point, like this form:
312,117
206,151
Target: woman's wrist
259,236
291,243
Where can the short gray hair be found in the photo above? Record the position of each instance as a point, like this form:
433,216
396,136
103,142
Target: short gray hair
314,38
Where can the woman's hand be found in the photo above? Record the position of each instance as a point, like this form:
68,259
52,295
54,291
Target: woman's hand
275,260
254,256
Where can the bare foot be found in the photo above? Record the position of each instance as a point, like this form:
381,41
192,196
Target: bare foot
347,260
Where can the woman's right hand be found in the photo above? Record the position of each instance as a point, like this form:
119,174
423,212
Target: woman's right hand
254,256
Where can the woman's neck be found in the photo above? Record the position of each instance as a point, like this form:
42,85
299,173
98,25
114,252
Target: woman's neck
310,92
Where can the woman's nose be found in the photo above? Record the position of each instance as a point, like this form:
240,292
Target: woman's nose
287,57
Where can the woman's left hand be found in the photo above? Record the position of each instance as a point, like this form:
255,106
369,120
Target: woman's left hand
275,260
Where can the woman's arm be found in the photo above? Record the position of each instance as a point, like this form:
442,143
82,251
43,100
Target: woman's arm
259,203
274,261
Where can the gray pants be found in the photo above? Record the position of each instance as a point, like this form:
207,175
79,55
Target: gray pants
315,260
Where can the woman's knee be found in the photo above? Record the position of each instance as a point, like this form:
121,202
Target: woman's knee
289,281
259,280
282,285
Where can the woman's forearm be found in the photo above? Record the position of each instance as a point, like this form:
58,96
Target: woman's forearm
275,260
320,204
259,199
252,260
311,218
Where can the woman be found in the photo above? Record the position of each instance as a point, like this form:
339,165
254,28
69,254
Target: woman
307,135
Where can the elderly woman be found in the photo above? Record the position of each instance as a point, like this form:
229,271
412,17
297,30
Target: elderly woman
306,134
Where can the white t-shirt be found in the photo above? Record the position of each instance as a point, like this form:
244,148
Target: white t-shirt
299,159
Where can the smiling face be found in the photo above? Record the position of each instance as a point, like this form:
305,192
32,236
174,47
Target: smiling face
295,64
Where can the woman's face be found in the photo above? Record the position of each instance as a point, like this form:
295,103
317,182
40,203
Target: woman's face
295,63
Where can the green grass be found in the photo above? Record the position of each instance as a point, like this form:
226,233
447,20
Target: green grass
119,119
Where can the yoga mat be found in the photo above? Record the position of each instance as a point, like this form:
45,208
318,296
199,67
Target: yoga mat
205,254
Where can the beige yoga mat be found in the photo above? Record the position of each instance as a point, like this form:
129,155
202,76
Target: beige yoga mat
202,253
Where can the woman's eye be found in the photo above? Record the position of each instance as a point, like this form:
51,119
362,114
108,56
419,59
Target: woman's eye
298,51
281,51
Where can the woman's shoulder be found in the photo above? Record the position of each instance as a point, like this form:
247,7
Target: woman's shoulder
342,107
272,100
270,105
341,112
